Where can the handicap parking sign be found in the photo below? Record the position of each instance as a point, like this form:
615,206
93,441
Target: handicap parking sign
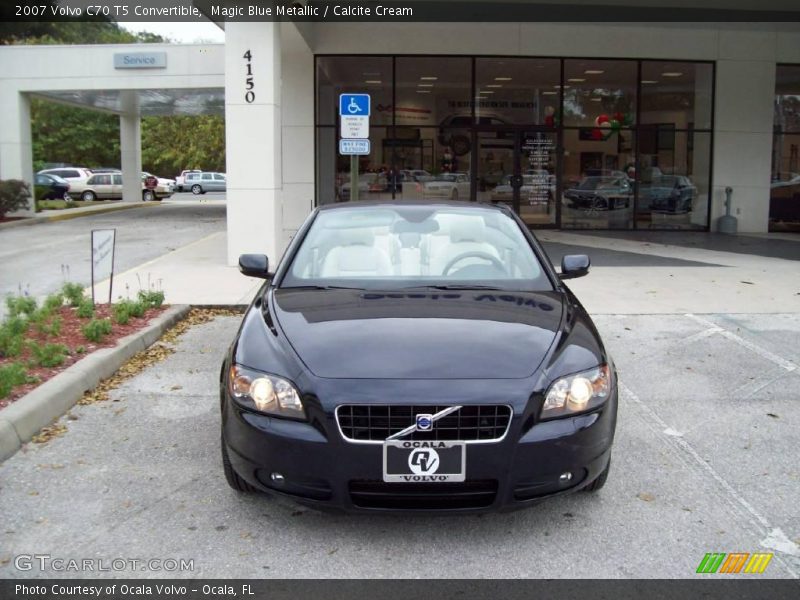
354,105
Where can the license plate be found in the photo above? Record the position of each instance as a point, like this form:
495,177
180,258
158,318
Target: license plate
414,462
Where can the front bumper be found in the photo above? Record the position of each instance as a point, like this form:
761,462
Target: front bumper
319,468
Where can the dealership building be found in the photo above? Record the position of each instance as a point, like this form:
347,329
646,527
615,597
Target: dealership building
589,126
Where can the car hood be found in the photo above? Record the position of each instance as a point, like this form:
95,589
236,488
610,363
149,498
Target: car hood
354,334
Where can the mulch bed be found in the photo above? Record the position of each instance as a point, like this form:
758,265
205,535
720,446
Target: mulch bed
72,337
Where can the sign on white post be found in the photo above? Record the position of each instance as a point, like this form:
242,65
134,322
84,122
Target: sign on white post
103,242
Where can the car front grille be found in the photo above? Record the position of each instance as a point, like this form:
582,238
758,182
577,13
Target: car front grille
425,496
374,423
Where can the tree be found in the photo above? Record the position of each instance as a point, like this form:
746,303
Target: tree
14,195
171,144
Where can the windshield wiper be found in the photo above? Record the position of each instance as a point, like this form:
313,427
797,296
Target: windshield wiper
455,286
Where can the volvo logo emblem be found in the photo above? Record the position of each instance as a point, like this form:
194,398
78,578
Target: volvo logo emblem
424,422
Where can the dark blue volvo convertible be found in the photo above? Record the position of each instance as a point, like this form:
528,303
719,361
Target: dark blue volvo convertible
416,357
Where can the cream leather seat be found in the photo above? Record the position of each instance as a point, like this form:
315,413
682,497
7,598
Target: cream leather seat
466,235
357,257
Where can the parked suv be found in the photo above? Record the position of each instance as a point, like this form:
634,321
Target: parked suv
180,180
75,176
200,183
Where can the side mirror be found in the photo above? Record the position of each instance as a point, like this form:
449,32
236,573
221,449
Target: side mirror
574,265
254,265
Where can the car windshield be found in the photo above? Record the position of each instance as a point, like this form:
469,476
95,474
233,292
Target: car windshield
416,246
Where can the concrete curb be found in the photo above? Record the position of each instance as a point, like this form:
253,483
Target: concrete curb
67,214
23,419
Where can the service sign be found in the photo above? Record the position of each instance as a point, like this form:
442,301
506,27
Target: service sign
140,60
354,147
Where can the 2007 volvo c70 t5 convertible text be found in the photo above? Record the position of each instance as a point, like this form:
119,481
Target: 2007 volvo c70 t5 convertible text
416,357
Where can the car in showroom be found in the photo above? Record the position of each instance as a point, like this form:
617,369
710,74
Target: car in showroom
784,197
368,183
601,192
409,356
538,189
668,193
51,187
447,186
204,181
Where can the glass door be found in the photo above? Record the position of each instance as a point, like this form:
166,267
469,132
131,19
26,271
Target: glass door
517,167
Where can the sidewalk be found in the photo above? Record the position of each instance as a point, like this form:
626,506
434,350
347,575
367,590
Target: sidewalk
628,276
74,213
659,277
196,274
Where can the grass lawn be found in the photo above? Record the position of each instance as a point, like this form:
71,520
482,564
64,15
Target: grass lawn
61,204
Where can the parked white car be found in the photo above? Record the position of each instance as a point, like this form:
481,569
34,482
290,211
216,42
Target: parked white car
165,187
452,186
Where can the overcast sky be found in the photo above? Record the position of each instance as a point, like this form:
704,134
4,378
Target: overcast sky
185,33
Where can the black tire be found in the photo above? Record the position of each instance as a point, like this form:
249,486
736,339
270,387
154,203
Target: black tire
231,476
88,196
196,189
598,483
148,196
460,144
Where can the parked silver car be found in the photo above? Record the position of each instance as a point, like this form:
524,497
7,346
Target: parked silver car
200,183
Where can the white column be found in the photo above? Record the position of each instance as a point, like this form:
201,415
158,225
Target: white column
253,139
130,145
16,150
744,98
297,131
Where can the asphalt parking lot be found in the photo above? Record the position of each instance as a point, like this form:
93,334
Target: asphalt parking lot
705,460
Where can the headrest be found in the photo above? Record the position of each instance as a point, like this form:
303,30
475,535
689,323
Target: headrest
360,237
467,230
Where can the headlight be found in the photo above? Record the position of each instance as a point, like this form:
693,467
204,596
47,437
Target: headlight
577,393
265,393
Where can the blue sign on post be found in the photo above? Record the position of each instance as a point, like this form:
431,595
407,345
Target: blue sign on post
354,105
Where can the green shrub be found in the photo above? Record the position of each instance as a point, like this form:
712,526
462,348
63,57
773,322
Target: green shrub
51,328
11,332
151,298
96,329
85,309
20,305
14,195
125,309
48,355
53,302
73,293
80,349
12,375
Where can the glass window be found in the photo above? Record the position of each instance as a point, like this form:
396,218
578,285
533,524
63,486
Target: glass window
415,246
117,179
600,93
218,177
784,201
372,170
598,185
677,93
516,90
787,98
207,177
673,183
433,91
354,74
